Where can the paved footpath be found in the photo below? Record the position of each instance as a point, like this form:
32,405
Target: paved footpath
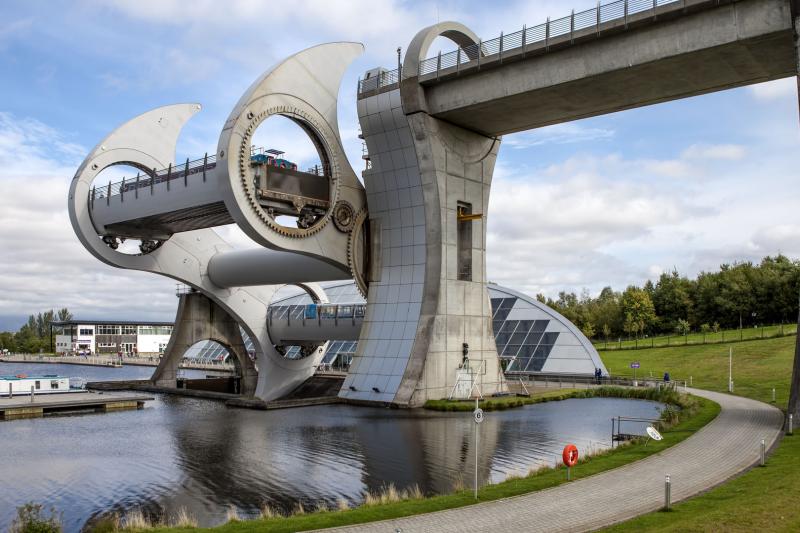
728,445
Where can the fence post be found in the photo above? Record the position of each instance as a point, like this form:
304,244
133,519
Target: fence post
480,52
122,190
547,35
94,194
572,27
186,173
153,180
108,194
169,174
524,39
438,64
205,164
136,191
458,61
501,47
626,14
598,18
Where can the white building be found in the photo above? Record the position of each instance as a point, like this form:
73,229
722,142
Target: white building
128,338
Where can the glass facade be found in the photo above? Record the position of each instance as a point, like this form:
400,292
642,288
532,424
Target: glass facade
530,337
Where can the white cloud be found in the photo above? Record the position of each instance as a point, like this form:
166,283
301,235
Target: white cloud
43,266
730,152
775,90
567,133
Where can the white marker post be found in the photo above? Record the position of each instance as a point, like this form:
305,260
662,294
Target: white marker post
730,369
478,416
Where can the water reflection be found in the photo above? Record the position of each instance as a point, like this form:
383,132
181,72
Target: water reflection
198,454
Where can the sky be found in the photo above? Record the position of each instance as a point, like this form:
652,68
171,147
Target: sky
613,200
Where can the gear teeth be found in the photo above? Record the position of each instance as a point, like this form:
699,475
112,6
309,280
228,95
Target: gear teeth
244,162
355,233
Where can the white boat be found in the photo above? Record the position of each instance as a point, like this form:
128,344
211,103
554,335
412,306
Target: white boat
41,384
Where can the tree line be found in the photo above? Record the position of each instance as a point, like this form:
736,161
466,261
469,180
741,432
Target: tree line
34,335
738,295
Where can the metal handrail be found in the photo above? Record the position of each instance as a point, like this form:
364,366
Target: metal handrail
180,171
618,10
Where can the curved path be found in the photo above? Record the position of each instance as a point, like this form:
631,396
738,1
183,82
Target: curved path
727,446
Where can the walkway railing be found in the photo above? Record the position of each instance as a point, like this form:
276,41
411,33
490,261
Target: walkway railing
541,34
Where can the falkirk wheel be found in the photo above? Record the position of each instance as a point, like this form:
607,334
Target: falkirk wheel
412,237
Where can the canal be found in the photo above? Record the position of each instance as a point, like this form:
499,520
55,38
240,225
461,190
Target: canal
200,455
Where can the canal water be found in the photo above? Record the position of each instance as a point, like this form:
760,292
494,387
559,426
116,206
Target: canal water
200,455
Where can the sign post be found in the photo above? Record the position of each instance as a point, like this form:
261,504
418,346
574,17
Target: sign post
478,416
634,366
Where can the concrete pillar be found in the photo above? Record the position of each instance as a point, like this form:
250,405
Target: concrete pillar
198,319
427,301
794,393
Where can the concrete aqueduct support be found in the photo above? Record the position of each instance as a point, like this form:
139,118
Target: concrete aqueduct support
428,310
198,319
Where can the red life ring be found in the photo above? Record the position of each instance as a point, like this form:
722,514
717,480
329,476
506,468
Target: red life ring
22,376
570,455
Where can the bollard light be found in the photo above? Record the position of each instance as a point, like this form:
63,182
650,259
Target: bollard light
773,394
763,452
790,424
667,493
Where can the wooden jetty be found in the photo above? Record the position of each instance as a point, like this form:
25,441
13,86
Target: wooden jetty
25,406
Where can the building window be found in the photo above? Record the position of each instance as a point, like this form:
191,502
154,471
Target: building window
107,330
86,331
54,384
37,384
464,242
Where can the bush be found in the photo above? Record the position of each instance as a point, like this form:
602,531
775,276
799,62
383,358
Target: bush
31,518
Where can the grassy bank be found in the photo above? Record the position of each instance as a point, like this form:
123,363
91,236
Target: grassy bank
509,402
763,499
695,413
758,366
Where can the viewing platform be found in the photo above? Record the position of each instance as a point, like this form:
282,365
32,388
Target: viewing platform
25,406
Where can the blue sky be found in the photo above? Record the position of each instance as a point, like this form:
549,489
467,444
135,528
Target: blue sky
611,200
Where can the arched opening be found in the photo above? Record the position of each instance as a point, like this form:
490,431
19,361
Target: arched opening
291,172
211,366
297,303
117,181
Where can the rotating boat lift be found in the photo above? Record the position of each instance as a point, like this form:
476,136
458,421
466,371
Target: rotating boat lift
426,328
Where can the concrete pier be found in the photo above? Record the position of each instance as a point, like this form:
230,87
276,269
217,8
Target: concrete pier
23,406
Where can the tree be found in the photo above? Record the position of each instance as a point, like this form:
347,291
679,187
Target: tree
683,327
588,330
638,310
64,315
672,298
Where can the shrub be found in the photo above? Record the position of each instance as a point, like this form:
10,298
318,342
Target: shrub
31,518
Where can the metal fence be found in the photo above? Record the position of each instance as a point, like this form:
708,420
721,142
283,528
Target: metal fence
541,34
153,177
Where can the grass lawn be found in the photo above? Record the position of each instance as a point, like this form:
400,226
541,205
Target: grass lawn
763,499
758,366
729,335
696,416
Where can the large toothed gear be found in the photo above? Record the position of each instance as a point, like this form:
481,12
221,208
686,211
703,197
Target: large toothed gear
357,250
304,89
246,173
